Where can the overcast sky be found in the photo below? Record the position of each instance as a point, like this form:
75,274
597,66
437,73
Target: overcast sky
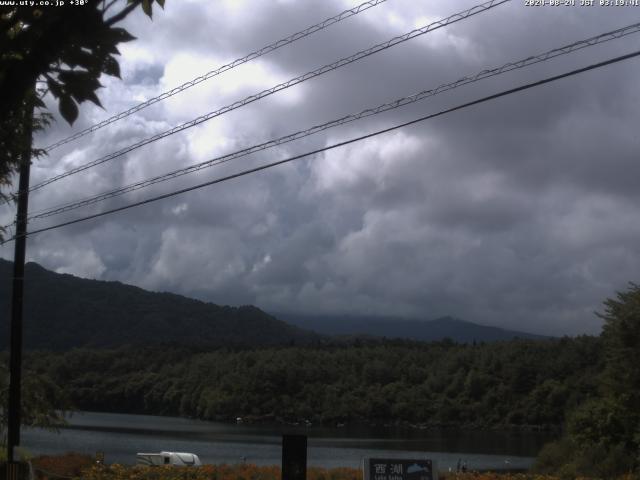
521,213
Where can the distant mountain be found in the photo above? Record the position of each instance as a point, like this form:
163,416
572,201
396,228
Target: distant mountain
422,330
63,311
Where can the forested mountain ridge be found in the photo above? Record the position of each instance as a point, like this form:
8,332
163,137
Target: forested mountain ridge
519,383
63,311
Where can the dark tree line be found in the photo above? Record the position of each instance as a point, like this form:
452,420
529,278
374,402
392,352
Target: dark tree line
517,383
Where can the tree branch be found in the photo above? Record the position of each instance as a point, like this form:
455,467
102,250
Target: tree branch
108,6
123,13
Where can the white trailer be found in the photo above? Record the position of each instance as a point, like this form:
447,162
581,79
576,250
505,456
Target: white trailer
180,459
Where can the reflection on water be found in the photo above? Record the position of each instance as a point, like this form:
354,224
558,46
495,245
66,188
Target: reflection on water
121,436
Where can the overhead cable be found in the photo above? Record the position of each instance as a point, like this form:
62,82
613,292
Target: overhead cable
339,144
531,60
302,78
247,58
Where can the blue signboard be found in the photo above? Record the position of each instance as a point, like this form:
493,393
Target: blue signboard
399,469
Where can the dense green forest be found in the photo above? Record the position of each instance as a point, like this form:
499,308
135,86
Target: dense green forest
520,383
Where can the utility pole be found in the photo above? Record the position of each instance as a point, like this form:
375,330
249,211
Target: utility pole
15,358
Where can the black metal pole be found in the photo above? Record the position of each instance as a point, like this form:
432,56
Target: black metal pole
15,358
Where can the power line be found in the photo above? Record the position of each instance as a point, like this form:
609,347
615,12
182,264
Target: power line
531,60
302,78
247,58
341,144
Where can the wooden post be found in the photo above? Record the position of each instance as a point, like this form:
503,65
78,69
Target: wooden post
294,457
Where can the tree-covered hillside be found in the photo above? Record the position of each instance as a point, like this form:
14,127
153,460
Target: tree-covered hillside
63,311
490,385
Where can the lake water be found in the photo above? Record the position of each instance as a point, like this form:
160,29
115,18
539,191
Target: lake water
121,436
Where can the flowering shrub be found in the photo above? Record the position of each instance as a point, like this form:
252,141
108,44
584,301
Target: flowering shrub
495,476
67,465
211,472
519,476
83,467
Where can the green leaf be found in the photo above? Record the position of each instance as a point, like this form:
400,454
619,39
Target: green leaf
112,49
111,67
146,7
79,80
54,87
68,109
78,57
89,95
117,35
81,85
37,102
160,2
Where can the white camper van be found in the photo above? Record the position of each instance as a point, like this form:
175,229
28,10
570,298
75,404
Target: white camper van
168,458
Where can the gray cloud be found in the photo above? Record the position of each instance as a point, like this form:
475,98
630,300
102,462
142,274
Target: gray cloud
520,213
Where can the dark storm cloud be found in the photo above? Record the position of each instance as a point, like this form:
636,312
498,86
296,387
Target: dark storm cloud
520,213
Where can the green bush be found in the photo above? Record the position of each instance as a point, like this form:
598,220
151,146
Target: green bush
568,460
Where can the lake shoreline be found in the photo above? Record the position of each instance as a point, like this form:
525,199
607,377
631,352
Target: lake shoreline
120,436
273,421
